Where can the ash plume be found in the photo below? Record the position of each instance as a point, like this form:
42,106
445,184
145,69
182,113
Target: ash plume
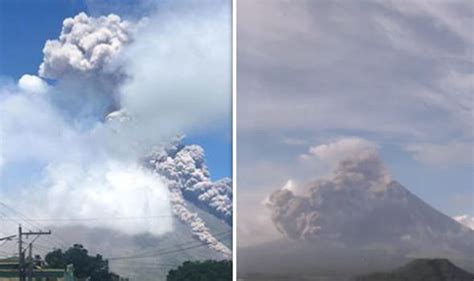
359,204
85,44
327,204
188,178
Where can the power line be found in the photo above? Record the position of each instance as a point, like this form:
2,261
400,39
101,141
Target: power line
20,215
24,268
164,252
148,252
122,263
7,254
99,219
54,239
144,264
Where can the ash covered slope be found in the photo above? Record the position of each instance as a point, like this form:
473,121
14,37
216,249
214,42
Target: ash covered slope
360,205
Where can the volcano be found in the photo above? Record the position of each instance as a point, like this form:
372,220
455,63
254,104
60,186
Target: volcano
355,221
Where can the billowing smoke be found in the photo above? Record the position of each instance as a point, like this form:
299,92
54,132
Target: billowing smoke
83,60
85,45
122,89
359,204
188,178
325,208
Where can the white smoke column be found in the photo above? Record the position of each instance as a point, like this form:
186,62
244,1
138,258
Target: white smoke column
179,70
120,196
78,176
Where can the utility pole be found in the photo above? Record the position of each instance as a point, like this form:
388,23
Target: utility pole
21,253
30,262
21,261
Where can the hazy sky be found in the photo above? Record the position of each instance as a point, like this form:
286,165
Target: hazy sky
398,74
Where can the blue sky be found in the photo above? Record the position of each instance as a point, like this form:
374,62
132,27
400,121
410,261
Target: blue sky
26,30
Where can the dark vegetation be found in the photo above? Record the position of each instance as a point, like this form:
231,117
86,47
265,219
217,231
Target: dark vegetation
202,271
85,266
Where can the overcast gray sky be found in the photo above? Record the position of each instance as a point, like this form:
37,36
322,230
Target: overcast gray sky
397,74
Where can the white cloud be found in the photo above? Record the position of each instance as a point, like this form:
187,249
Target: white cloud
31,128
289,185
456,16
32,84
343,148
111,190
372,67
254,220
452,153
465,220
79,173
179,71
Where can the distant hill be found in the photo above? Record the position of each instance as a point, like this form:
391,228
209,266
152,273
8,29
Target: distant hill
422,270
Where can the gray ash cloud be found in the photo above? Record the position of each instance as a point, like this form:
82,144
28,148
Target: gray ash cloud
184,166
359,204
183,169
85,44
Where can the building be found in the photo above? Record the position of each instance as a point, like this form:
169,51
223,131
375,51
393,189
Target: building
9,272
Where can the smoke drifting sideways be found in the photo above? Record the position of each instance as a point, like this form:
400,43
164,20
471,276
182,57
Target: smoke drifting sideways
184,170
330,208
74,149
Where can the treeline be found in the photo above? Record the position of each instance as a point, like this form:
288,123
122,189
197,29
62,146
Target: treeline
202,271
96,268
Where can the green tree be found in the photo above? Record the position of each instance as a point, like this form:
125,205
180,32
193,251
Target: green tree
85,266
202,271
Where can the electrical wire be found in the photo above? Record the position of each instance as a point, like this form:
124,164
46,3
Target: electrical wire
165,252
